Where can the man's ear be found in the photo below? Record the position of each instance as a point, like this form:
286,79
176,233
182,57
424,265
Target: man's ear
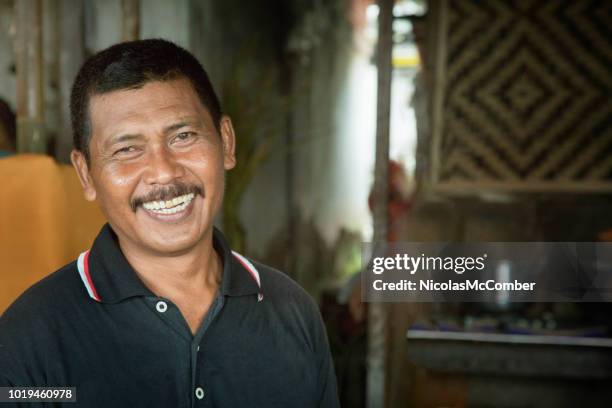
229,142
82,169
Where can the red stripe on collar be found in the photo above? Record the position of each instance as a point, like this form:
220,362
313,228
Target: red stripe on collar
83,267
252,271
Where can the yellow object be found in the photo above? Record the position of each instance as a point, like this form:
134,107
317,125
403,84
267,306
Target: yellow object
44,221
404,61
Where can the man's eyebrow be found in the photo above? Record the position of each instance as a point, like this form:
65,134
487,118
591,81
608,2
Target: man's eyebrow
124,138
178,125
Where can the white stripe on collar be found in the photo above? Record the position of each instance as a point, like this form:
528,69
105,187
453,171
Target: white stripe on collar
252,270
83,267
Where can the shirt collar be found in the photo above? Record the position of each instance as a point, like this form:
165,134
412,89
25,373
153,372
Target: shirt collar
109,278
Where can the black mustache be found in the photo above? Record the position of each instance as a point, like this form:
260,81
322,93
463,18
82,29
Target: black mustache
166,193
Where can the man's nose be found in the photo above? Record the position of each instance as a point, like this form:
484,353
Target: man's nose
162,167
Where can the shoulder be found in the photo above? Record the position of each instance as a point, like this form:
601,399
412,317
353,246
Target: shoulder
30,327
298,311
49,296
291,303
277,285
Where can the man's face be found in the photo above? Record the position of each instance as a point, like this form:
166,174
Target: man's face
157,165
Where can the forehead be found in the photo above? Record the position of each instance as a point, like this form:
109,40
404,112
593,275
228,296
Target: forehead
138,110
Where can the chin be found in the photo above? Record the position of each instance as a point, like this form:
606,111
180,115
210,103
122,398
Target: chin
172,247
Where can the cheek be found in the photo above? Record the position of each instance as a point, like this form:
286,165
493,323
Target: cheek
117,182
207,166
122,181
121,175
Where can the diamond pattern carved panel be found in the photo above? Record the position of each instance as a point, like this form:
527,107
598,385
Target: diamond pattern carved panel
524,95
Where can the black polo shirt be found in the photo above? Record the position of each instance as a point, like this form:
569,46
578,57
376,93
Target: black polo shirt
95,326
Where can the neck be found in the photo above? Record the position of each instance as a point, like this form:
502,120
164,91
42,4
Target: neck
192,273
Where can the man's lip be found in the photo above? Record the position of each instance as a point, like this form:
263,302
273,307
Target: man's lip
177,216
181,190
171,204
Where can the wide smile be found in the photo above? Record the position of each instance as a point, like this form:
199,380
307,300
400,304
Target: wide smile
170,209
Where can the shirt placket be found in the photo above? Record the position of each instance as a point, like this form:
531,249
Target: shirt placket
198,385
171,316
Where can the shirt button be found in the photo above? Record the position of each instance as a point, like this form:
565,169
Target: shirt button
199,392
161,306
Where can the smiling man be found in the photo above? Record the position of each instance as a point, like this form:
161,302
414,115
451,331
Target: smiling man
160,312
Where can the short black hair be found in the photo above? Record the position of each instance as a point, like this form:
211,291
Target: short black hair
130,65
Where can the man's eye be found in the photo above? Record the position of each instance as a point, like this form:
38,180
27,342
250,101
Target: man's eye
183,137
123,150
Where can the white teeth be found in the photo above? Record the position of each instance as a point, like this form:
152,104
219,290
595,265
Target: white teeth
175,205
